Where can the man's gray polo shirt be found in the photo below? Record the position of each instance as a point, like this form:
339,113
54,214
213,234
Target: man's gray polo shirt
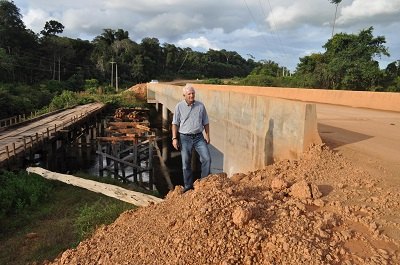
190,119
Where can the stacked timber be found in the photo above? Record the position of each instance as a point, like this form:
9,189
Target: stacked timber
126,151
131,114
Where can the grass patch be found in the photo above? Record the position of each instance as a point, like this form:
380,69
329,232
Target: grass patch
60,221
91,216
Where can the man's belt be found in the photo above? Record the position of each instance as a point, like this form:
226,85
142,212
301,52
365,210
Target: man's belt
191,134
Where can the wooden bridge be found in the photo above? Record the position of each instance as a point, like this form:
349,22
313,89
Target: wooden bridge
20,138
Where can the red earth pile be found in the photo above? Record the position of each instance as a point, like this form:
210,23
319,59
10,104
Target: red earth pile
140,90
319,209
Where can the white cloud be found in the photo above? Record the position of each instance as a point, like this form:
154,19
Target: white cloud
292,14
35,19
370,11
200,42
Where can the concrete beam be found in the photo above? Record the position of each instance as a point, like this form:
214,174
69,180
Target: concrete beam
249,130
360,99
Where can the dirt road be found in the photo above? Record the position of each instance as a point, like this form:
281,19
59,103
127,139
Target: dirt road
370,138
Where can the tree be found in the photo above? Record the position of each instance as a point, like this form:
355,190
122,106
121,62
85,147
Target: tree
336,2
350,60
151,51
11,25
17,42
392,76
52,28
348,63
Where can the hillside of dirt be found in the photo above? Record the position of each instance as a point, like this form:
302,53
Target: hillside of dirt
140,90
318,209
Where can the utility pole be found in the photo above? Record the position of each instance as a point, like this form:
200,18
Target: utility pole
116,77
112,72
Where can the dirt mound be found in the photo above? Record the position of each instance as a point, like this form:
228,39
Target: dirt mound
140,90
319,209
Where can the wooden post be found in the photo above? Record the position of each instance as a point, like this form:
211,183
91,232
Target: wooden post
135,162
8,152
151,171
108,151
15,153
101,158
115,154
24,145
48,133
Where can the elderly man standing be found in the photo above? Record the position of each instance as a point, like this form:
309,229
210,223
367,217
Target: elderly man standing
190,120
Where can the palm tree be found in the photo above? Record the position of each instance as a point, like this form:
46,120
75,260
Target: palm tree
336,2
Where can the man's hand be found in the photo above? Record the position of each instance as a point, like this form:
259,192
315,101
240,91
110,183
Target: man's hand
207,138
175,143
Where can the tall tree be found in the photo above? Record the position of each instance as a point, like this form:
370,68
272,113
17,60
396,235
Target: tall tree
52,28
11,25
351,60
17,42
336,2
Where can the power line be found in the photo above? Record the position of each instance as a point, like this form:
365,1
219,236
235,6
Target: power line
285,54
280,46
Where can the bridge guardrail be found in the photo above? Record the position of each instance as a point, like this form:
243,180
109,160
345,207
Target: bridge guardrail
21,119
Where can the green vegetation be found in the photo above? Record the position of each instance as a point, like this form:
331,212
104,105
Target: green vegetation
20,192
101,212
31,205
37,68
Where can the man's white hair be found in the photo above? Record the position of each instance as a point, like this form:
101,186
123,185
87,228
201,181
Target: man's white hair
188,88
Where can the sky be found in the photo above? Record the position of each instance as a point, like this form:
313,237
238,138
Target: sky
279,30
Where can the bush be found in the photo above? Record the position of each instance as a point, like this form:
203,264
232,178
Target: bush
91,86
66,99
19,191
214,81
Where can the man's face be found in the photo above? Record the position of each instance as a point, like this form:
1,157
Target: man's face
189,96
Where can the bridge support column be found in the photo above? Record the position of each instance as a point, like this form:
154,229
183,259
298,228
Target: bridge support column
165,123
166,152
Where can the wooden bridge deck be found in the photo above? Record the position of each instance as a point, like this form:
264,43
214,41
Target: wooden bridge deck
15,140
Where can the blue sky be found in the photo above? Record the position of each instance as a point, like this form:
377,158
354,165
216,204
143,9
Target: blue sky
278,30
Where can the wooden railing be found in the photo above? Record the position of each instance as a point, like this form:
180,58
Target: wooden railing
12,121
7,122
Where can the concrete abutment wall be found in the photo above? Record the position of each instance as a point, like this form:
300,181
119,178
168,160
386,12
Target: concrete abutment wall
248,129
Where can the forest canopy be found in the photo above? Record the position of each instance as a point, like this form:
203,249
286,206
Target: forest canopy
51,63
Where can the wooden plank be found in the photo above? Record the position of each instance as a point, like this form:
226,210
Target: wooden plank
122,138
117,138
124,130
113,158
133,197
126,124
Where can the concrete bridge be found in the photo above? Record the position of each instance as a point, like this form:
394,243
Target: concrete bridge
248,130
253,126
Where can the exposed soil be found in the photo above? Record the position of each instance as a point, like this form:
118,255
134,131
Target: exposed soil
140,90
319,209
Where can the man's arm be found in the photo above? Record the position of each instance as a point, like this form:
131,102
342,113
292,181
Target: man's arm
175,141
207,133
